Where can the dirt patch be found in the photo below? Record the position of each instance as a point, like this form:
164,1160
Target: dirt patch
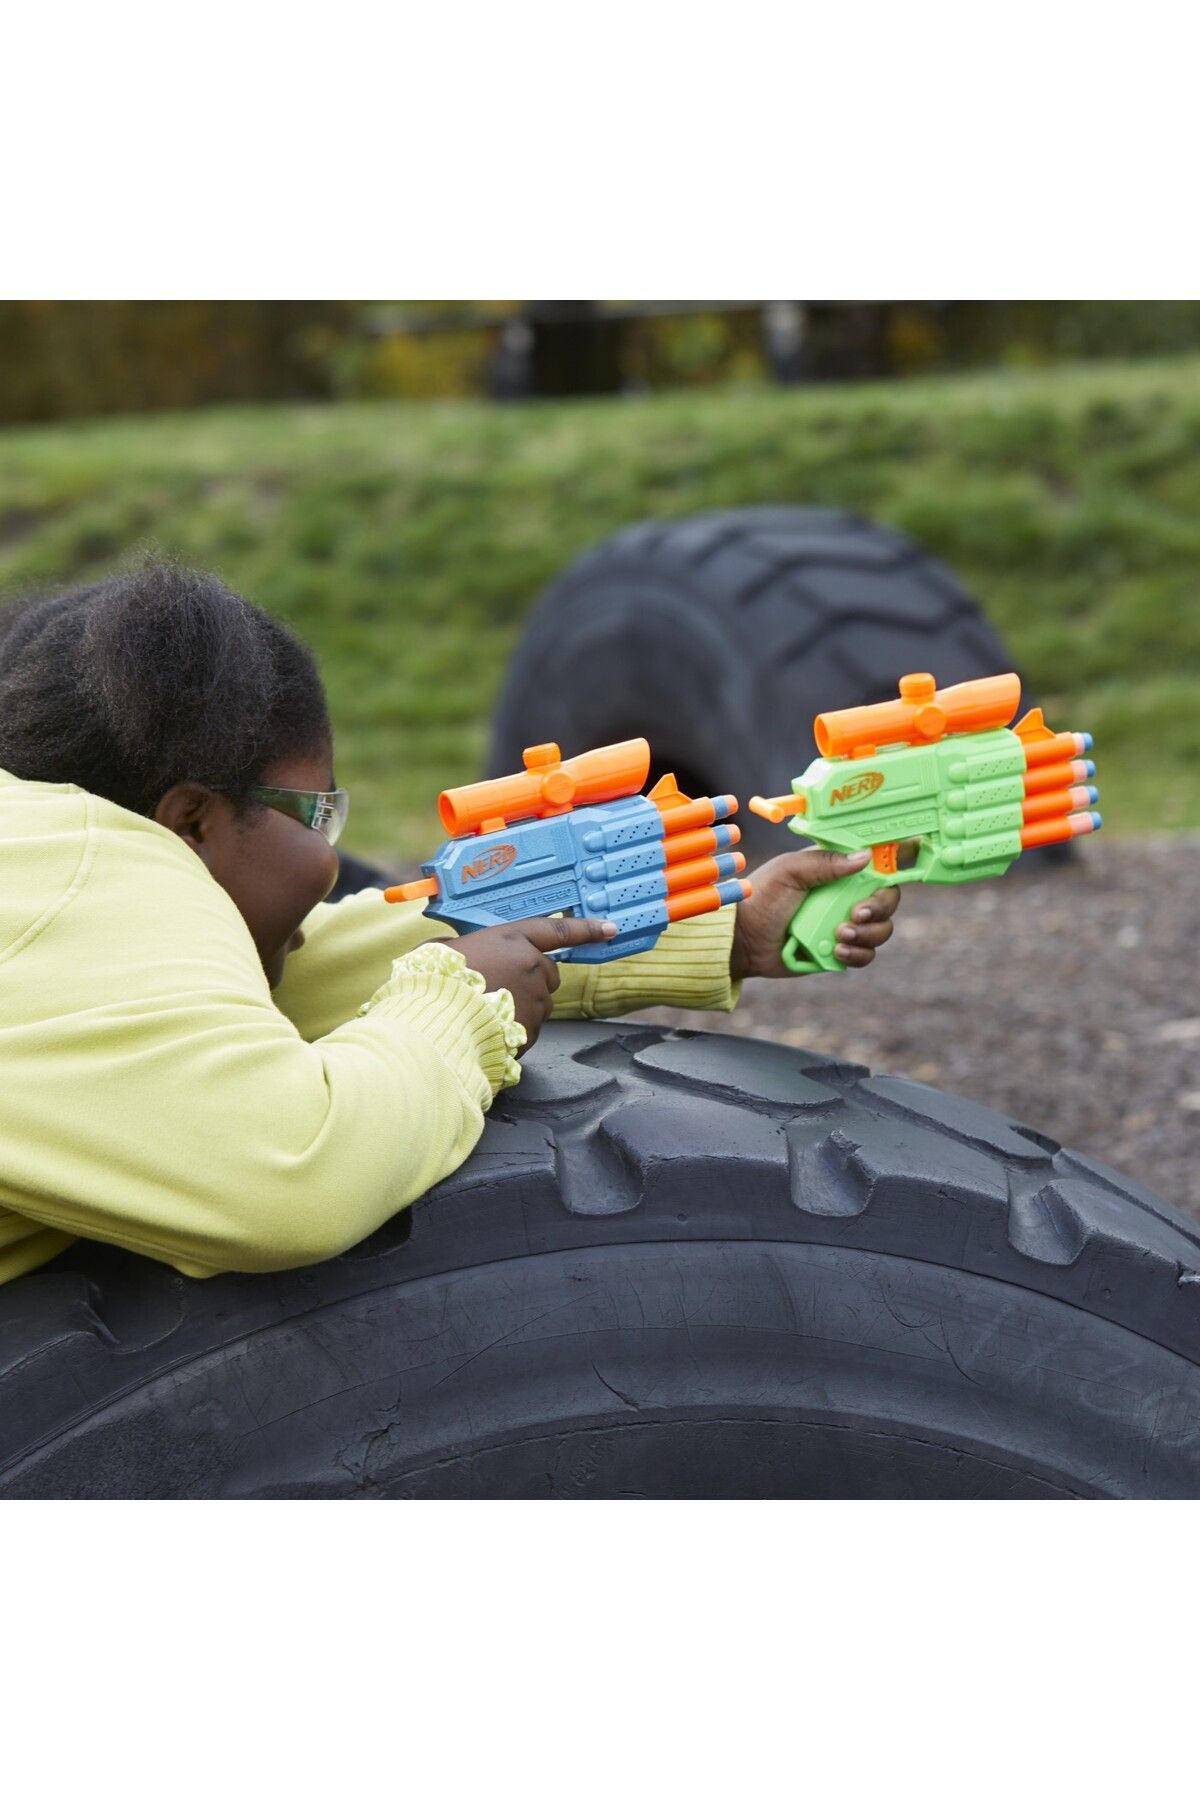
1068,998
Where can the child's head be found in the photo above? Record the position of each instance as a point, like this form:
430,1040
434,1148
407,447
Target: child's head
167,693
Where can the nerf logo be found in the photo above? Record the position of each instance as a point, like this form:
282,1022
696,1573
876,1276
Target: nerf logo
858,789
491,864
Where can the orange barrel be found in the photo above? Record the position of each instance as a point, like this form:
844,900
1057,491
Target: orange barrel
1054,749
702,871
701,900
1056,831
1058,775
547,786
700,843
1057,804
697,812
923,713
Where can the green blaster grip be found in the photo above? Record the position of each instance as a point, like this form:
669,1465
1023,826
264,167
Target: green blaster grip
812,934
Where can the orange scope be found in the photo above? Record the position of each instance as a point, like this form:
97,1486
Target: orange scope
548,785
923,714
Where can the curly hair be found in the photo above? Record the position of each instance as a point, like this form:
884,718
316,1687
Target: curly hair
153,677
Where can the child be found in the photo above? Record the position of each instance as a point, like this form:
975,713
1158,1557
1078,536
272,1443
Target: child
199,1060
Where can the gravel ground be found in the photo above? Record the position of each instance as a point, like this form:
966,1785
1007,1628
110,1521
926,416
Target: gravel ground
1068,998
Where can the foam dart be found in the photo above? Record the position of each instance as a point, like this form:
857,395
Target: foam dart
703,870
699,843
1056,831
1058,775
412,890
1058,804
785,807
706,899
1054,749
697,812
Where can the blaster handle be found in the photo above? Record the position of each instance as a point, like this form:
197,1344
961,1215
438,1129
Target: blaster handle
812,939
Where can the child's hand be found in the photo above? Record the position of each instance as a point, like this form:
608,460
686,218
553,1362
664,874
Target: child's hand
779,887
513,957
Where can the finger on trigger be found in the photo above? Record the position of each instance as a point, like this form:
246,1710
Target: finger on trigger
815,867
560,933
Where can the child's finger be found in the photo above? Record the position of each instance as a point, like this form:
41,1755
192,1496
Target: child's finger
873,935
551,973
880,906
855,956
560,934
813,868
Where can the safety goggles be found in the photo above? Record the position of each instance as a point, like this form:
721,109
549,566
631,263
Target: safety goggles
325,813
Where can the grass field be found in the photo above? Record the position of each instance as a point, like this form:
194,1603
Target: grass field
407,542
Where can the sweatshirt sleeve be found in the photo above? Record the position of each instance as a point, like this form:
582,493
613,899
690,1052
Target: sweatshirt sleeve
348,951
156,1098
349,947
689,966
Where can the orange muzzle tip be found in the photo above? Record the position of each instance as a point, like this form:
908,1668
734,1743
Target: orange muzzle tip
786,806
412,890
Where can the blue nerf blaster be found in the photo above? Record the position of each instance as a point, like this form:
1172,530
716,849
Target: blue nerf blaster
580,837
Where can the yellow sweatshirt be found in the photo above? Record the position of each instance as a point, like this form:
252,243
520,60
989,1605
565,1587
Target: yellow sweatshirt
155,1093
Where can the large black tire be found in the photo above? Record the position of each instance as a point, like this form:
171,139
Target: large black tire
677,1265
720,637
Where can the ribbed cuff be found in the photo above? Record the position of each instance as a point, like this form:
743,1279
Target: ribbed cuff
689,967
475,1031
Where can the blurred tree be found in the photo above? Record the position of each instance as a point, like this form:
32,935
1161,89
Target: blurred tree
66,358
62,359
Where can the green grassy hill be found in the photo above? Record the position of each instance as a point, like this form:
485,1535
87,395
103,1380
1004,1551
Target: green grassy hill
406,542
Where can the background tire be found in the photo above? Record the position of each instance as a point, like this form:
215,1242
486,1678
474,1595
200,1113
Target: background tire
677,1265
720,637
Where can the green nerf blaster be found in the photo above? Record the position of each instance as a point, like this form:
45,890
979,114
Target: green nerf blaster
940,768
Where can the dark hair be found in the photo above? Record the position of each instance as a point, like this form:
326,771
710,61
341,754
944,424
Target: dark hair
153,677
